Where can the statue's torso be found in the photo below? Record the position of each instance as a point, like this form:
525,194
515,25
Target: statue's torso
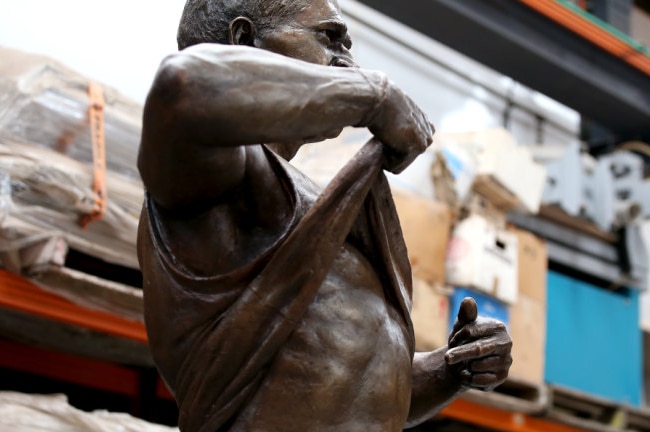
347,364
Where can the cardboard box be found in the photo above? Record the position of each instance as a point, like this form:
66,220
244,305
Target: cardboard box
426,225
528,314
505,168
533,265
484,257
430,315
482,206
528,333
453,171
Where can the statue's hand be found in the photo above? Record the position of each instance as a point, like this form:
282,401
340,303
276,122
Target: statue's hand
402,127
479,349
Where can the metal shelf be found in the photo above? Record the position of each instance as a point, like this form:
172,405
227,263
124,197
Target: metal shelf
530,46
493,418
18,293
479,409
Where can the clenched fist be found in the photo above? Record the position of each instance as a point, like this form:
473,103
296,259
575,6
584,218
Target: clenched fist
478,349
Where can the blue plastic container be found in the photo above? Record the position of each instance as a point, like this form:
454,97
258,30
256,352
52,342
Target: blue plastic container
593,340
487,305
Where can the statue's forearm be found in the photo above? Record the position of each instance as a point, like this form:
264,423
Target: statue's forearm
433,386
233,95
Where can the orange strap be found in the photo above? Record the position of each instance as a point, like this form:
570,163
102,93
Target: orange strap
96,116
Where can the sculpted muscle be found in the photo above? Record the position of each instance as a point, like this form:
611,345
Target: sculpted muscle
265,296
209,100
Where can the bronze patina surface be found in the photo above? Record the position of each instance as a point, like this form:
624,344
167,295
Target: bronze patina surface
271,305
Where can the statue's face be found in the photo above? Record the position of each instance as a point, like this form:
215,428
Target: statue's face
318,35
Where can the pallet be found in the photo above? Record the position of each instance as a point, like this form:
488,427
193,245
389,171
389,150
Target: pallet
513,395
43,261
556,214
565,406
90,291
35,331
594,413
638,419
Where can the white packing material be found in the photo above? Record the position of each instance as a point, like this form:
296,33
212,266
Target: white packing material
21,412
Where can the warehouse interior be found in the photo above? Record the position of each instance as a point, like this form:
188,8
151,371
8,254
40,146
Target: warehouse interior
534,199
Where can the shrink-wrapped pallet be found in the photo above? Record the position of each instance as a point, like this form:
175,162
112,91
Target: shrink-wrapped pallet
46,163
44,194
45,103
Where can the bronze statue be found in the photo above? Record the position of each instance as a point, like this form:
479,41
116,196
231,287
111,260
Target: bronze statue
270,305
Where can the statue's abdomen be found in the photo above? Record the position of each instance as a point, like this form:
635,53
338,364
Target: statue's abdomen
346,367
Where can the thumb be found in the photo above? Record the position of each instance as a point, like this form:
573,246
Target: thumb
467,313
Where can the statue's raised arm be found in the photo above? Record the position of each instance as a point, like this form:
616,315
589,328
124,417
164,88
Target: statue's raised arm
209,100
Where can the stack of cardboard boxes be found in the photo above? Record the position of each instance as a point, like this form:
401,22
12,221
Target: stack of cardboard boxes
426,227
466,248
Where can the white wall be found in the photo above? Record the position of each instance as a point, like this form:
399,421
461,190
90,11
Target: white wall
118,42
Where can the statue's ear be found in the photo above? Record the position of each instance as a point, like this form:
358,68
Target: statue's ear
242,31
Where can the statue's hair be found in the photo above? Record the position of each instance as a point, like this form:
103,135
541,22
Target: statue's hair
209,20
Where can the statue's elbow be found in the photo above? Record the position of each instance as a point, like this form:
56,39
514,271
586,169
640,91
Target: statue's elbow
170,82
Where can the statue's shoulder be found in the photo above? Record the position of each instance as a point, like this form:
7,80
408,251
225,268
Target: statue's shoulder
238,228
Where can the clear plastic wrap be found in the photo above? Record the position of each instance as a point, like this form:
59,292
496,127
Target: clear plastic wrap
47,192
44,103
46,157
5,195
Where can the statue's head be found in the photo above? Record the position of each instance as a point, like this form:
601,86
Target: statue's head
310,30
